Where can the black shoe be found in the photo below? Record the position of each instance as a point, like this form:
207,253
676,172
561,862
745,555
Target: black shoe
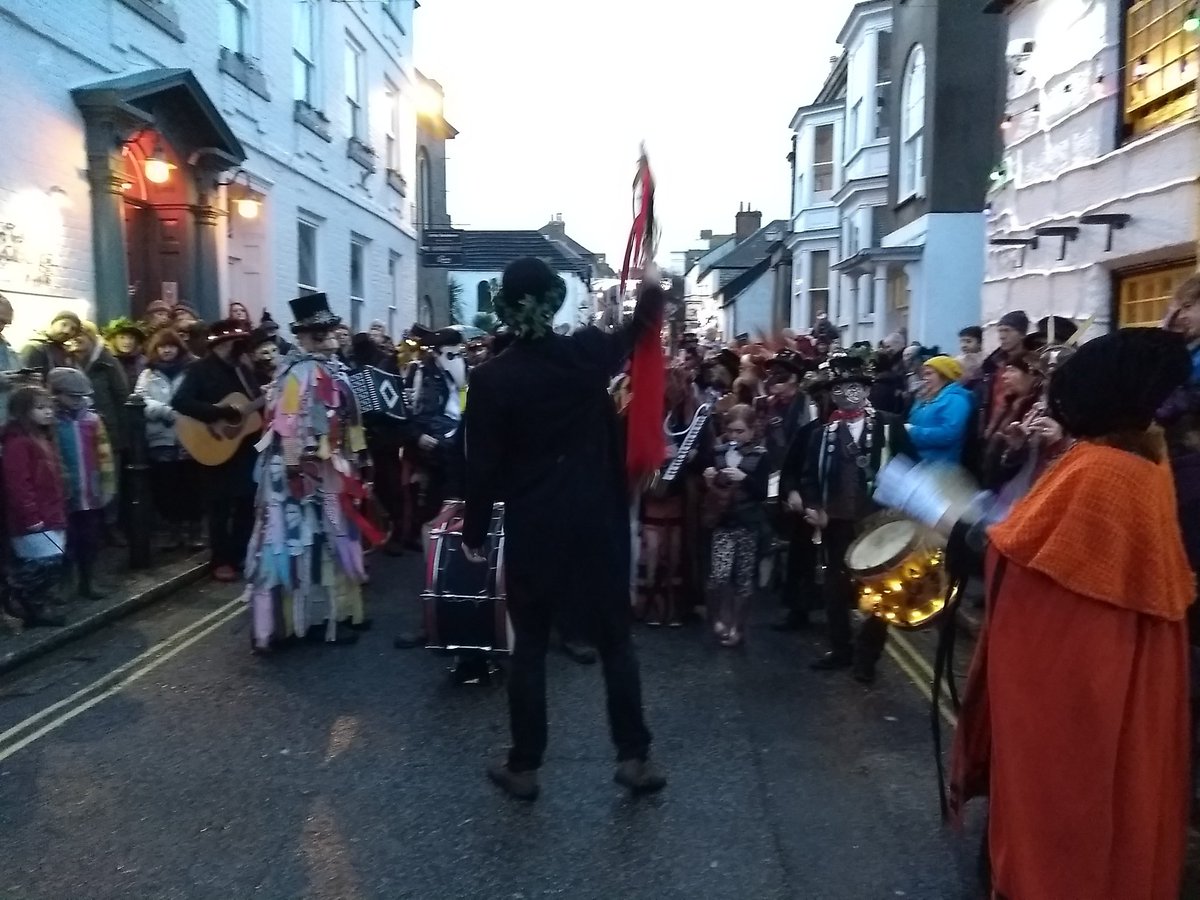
864,673
832,660
640,776
409,641
793,622
579,653
521,785
364,625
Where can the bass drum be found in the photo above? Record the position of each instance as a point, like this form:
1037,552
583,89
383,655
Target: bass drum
465,603
900,568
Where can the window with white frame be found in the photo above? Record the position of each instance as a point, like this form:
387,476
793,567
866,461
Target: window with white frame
818,284
851,141
356,110
306,257
233,19
304,51
393,291
391,141
883,83
422,211
823,159
912,125
358,281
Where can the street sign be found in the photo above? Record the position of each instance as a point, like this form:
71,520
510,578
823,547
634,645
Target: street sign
442,240
438,259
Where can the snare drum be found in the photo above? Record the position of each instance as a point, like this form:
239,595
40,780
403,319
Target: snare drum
465,607
900,568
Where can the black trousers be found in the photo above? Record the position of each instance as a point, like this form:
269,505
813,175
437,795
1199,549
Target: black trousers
798,583
841,598
532,616
230,515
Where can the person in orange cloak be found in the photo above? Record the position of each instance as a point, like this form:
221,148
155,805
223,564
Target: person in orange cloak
1075,713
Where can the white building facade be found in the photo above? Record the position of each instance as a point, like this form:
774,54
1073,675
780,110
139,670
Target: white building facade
287,130
1095,202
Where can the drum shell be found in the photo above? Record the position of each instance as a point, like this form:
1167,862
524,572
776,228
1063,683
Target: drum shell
464,603
908,591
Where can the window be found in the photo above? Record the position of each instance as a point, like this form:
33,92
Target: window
425,316
354,90
912,126
823,159
358,292
304,43
1143,297
883,82
393,291
851,140
483,297
234,24
1161,58
818,284
391,141
423,206
306,257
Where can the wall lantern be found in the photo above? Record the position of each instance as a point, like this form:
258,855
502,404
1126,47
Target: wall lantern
242,197
1192,22
157,168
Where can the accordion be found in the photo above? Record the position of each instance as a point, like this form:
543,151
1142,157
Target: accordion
379,393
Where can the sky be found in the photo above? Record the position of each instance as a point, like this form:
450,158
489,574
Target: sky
553,97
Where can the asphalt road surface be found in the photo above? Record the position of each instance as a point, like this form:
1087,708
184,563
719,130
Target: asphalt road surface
160,759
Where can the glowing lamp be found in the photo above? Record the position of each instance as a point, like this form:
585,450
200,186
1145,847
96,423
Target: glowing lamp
157,169
1192,22
248,207
1142,69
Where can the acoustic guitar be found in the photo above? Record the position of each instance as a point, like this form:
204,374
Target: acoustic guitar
212,444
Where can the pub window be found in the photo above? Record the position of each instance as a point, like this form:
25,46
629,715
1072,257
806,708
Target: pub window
304,52
1161,58
1143,296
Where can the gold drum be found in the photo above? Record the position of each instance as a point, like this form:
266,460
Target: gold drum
900,568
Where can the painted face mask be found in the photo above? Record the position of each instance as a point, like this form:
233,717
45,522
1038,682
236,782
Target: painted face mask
452,361
849,396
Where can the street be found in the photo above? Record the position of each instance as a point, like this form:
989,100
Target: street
159,758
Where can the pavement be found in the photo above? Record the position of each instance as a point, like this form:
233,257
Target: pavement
159,758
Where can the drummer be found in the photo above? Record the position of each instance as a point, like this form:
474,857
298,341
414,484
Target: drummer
838,471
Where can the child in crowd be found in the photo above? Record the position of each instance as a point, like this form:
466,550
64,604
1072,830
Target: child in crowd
737,482
36,508
87,460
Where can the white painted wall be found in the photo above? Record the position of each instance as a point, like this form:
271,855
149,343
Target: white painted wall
46,53
1062,162
751,310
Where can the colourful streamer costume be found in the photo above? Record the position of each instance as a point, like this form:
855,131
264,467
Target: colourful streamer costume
305,564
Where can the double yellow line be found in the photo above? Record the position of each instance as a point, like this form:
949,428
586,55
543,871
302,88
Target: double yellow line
918,670
58,714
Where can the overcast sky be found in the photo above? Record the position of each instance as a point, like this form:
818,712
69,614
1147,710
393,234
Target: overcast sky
551,99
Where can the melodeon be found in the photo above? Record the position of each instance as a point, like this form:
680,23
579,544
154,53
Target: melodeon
465,603
379,393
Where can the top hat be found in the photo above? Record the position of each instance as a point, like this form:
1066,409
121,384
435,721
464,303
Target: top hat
312,313
1064,329
787,363
845,368
226,330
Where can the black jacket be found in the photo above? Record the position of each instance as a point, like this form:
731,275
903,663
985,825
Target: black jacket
542,436
207,382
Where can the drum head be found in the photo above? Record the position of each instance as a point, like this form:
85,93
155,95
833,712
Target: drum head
881,548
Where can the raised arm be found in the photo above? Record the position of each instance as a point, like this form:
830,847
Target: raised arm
613,349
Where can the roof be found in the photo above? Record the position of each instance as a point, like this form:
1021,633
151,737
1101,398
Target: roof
752,249
707,262
177,95
731,291
491,251
600,268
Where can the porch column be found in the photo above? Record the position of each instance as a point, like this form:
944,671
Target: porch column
802,318
207,276
855,311
103,138
881,299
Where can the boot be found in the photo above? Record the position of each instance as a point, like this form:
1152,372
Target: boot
521,785
832,660
639,776
87,586
194,536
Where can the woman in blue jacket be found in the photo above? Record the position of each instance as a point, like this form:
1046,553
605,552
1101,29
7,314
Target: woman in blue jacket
943,414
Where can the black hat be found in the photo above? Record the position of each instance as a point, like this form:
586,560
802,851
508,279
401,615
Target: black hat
312,313
849,367
730,362
260,336
226,330
1118,382
268,322
443,337
972,331
1016,320
787,363
1064,330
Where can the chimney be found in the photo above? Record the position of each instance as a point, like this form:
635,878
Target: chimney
706,234
748,221
556,227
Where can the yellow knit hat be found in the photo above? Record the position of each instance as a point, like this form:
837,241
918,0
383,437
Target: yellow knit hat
946,366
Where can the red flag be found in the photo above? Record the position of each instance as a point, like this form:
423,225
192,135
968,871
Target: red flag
646,445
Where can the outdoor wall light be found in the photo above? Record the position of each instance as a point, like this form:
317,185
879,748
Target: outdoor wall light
1192,22
156,167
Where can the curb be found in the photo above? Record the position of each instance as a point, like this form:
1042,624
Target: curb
73,631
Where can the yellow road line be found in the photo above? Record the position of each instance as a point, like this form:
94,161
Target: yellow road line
917,659
923,685
172,648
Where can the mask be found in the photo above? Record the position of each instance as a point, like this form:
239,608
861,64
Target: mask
849,396
452,361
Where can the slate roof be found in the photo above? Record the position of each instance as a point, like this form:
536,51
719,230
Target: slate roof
752,249
600,268
729,293
491,251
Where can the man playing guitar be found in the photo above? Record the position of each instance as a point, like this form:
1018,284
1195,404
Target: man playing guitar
229,486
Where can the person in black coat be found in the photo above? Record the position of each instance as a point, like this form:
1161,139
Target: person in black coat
542,437
230,486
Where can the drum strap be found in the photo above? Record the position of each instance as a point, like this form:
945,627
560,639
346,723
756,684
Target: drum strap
943,666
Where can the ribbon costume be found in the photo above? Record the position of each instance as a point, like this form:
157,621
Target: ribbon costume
305,565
